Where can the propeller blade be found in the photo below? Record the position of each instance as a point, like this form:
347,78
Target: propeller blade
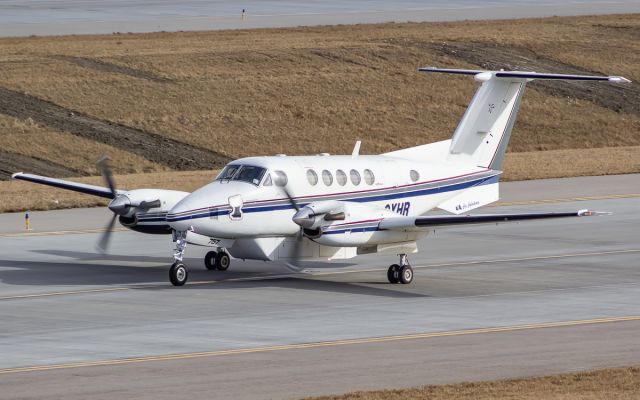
105,171
291,200
103,242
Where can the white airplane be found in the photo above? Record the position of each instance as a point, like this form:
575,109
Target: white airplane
337,207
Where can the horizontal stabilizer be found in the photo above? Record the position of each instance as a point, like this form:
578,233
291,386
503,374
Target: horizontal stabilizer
483,75
68,185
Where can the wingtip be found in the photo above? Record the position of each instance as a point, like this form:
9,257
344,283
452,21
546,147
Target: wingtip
13,176
619,79
589,213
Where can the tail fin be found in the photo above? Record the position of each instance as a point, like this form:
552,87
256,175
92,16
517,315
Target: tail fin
483,132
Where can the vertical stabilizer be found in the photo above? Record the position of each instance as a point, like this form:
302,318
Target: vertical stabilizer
485,128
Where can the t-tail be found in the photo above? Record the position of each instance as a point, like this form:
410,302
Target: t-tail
483,133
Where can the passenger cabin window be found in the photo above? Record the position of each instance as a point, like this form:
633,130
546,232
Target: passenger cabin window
327,178
355,177
312,177
369,178
244,173
414,175
341,177
280,178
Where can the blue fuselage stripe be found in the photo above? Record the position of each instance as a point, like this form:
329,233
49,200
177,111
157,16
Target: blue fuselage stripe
391,196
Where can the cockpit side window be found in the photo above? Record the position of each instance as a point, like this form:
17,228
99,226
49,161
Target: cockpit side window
250,174
267,181
244,173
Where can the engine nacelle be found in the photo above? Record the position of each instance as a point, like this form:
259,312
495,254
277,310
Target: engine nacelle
359,228
314,215
145,210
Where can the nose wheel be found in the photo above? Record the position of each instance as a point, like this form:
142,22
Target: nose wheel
178,274
219,260
400,273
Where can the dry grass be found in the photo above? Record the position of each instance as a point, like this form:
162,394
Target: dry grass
309,90
610,384
20,196
573,162
32,140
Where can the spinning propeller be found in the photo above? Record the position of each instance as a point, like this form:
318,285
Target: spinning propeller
297,247
120,204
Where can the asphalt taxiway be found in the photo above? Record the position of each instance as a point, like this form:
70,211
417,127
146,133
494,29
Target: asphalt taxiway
486,303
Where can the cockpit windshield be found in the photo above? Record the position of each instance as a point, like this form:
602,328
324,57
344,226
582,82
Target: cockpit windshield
243,173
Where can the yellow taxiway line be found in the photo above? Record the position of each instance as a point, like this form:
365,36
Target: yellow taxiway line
314,273
498,204
312,345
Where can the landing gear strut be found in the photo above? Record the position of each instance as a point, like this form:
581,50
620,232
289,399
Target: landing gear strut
219,260
402,273
178,273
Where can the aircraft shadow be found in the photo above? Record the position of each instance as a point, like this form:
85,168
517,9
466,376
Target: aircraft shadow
44,273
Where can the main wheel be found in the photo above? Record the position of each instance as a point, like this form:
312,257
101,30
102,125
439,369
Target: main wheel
210,260
392,273
405,274
178,274
223,261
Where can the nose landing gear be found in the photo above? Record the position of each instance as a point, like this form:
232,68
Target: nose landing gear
178,273
402,273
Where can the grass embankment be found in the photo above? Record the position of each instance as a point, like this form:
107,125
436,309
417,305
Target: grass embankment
610,384
309,90
20,196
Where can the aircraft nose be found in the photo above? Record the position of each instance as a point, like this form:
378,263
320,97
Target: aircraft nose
181,217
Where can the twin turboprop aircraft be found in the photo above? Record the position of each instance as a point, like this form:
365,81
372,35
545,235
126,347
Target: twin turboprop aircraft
337,207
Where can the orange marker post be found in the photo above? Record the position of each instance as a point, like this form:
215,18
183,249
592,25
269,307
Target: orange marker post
27,222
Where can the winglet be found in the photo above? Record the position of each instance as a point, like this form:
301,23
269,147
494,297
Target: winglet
356,149
589,213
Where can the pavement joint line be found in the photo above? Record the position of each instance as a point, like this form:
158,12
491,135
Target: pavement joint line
565,200
281,276
50,294
58,233
312,345
498,204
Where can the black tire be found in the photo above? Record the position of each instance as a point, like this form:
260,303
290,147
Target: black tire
178,274
393,273
405,275
210,260
223,261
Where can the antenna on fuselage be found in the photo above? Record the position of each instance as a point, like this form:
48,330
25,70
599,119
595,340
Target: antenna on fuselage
356,149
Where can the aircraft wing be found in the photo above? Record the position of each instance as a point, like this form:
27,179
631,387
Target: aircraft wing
63,184
443,221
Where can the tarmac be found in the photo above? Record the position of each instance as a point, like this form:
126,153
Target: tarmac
65,17
487,302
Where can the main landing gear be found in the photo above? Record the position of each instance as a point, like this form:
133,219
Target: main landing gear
402,273
213,260
219,260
